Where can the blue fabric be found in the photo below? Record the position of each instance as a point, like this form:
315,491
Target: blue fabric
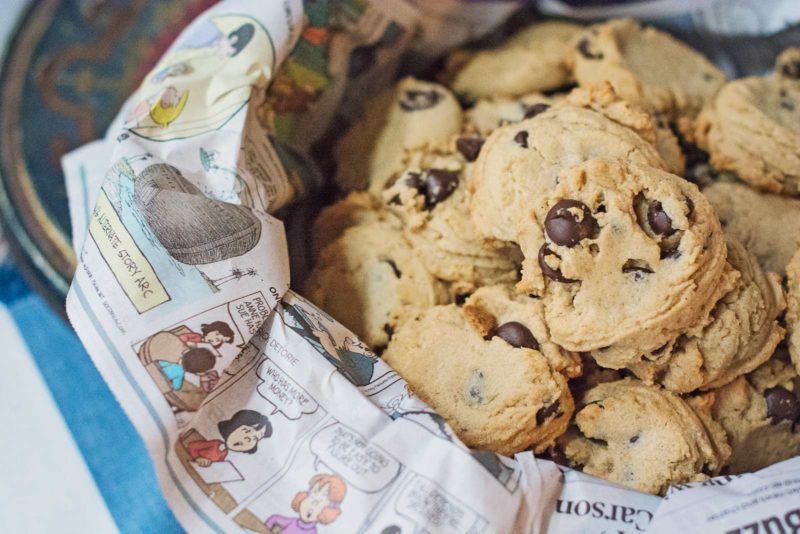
113,451
174,373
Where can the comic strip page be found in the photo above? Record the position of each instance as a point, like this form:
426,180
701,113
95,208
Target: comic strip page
294,456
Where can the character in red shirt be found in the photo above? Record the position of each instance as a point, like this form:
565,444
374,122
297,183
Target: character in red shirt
240,433
215,334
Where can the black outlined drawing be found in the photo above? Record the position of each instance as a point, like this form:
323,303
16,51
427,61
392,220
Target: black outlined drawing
362,463
504,471
240,433
428,506
352,358
191,359
203,81
283,393
167,359
192,228
319,504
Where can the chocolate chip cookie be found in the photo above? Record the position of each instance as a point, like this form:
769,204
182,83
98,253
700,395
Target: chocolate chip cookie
489,114
521,322
417,115
740,334
357,208
793,308
643,437
760,413
625,258
533,60
752,128
519,163
767,224
370,280
496,389
646,66
431,198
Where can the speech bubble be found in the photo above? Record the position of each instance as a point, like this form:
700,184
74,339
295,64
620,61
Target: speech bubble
429,506
249,313
350,455
277,388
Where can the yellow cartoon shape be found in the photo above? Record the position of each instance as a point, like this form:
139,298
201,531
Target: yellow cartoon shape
204,80
167,108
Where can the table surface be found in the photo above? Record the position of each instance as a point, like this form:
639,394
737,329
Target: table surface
76,462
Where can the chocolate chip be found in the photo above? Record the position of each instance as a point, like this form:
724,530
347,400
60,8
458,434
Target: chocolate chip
690,205
782,404
439,184
670,253
517,335
413,180
791,70
660,350
521,139
583,48
634,439
410,179
532,111
474,392
469,147
636,266
389,330
393,265
461,298
570,221
557,456
550,272
544,413
415,100
694,155
658,219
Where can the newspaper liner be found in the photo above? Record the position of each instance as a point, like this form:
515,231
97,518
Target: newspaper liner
181,298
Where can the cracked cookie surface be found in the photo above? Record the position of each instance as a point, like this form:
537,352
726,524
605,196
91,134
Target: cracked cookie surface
496,389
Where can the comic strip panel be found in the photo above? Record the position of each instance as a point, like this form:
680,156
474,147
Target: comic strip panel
335,471
238,442
189,360
139,226
378,382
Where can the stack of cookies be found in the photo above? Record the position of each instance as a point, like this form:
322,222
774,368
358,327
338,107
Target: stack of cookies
525,240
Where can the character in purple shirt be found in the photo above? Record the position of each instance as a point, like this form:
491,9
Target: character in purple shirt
320,504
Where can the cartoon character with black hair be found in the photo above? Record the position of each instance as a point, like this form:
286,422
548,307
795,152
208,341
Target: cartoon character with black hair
240,433
208,37
356,365
214,335
321,503
196,360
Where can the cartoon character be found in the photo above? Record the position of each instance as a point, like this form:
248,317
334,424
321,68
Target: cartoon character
356,366
209,38
214,335
162,108
203,81
196,360
176,70
240,433
320,504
